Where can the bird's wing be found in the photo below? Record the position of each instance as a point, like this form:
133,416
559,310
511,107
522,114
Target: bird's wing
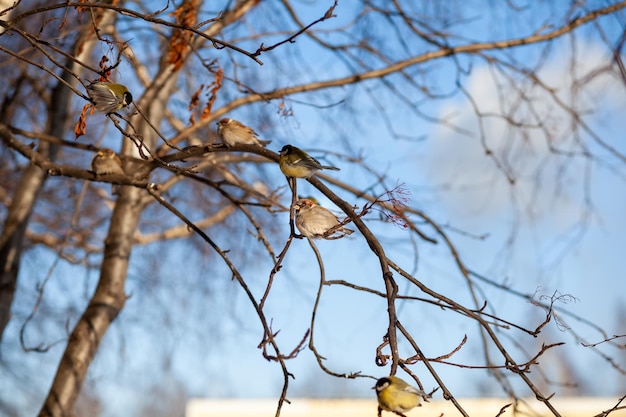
413,390
310,162
103,98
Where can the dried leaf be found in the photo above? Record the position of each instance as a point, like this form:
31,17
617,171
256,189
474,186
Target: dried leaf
81,125
106,70
186,15
195,98
215,86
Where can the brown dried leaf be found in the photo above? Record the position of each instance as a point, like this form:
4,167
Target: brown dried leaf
195,98
81,125
215,86
186,15
106,70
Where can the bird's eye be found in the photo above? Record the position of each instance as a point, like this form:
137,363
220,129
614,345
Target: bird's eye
128,98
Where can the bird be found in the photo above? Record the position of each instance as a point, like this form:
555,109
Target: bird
315,221
109,97
233,133
296,163
106,162
396,396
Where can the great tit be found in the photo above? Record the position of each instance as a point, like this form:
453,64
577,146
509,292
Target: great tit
296,163
396,396
109,97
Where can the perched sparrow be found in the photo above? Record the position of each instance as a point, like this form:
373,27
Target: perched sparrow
106,162
233,132
396,396
314,221
109,97
296,163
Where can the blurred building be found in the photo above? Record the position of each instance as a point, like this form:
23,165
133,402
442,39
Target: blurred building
301,407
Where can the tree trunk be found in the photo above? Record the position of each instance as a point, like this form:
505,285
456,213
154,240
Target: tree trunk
106,303
11,240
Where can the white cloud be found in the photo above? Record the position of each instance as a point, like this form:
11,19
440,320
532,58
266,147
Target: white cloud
549,187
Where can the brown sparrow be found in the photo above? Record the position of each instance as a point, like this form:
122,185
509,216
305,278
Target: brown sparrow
315,221
233,133
106,162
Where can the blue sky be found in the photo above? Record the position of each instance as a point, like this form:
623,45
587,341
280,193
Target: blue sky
540,236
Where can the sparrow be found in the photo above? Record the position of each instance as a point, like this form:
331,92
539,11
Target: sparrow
315,221
109,97
233,132
106,162
296,163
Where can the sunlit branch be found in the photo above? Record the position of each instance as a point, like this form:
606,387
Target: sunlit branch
390,284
